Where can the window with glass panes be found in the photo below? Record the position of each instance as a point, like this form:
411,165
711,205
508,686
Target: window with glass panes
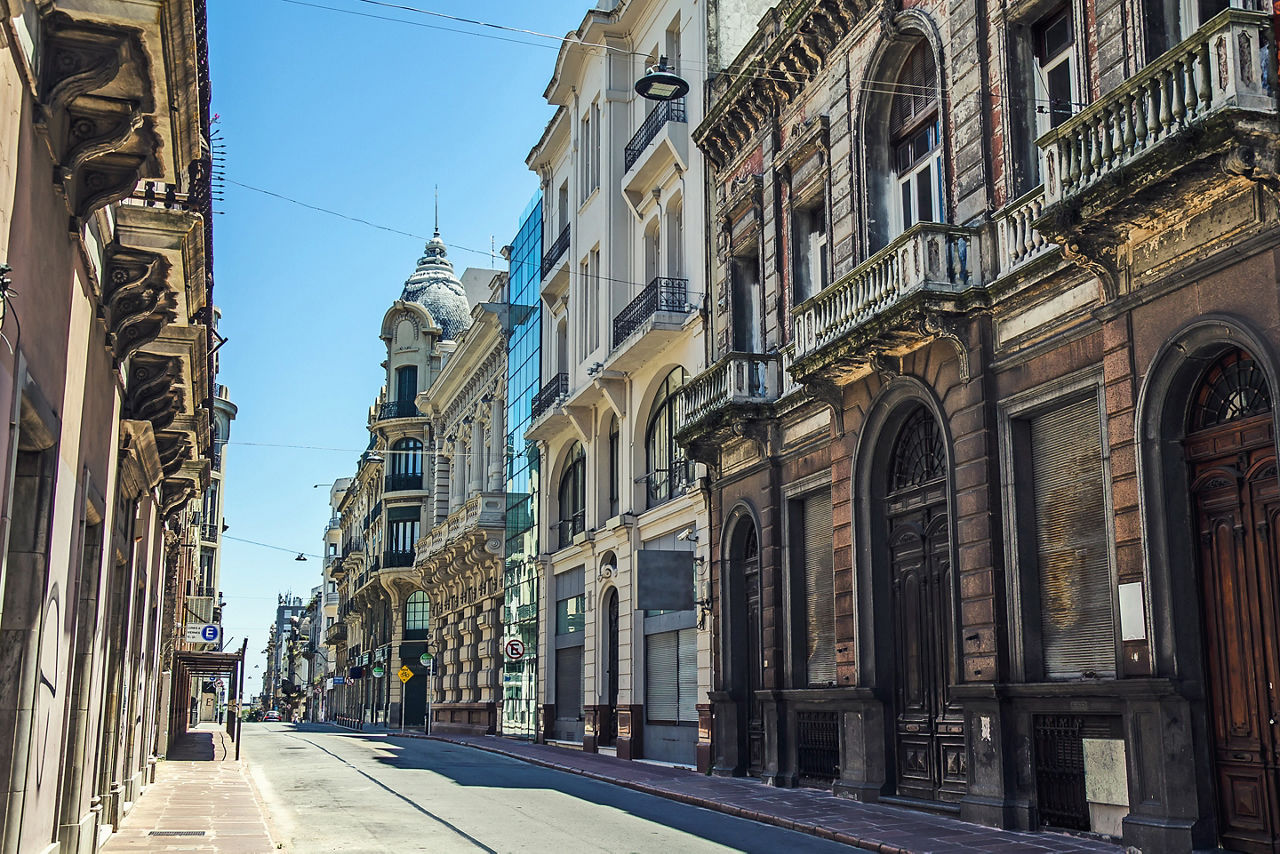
915,134
1055,70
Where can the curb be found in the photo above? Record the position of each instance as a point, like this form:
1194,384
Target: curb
691,800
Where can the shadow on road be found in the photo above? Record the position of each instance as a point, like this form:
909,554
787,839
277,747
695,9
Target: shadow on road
471,767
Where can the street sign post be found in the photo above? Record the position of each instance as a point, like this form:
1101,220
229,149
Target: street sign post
405,675
203,632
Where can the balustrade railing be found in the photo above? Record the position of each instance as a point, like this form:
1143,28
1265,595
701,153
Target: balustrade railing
396,559
209,533
927,256
661,294
571,527
665,111
1019,241
738,378
1225,63
550,394
402,482
398,409
663,484
555,252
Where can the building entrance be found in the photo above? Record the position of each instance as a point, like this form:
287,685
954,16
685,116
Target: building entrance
929,742
1235,496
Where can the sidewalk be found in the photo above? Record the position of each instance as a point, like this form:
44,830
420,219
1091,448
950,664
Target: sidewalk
875,827
201,801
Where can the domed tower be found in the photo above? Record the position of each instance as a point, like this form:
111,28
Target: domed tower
434,286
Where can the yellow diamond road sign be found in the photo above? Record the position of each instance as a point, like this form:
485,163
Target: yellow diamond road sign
405,673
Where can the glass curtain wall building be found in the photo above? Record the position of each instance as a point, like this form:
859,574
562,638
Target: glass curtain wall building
520,605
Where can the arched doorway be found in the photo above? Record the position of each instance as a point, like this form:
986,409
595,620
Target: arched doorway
1235,501
928,734
744,662
608,736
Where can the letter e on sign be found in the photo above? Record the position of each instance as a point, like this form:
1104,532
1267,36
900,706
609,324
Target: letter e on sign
515,649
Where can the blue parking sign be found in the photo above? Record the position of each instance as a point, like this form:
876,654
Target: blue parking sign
209,633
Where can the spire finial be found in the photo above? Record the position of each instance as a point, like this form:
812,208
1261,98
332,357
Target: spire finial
437,210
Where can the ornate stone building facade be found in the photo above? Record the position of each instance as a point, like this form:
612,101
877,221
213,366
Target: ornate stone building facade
622,330
994,329
460,559
107,388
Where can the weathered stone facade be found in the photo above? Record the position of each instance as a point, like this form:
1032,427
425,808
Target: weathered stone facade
1006,383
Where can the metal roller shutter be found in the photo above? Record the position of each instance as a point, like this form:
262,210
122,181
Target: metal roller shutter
819,569
688,651
569,683
662,676
1076,616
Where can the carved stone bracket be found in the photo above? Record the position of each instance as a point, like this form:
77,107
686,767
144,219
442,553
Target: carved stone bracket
832,395
96,99
153,391
173,494
945,329
137,300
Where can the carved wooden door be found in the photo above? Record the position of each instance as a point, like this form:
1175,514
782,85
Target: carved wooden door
929,741
1230,448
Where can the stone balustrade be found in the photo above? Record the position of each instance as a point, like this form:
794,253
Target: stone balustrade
1016,235
927,256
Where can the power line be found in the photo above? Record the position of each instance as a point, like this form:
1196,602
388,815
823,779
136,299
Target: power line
269,546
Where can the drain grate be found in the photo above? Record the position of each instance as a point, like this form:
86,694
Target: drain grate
176,833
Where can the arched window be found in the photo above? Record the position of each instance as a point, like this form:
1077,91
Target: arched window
573,496
417,616
405,466
669,471
915,140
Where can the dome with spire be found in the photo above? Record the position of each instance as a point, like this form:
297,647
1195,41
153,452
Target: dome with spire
434,286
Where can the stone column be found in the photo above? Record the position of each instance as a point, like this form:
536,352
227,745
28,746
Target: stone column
476,480
440,494
457,475
498,440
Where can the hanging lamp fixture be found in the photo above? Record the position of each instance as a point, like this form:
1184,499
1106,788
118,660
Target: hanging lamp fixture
661,84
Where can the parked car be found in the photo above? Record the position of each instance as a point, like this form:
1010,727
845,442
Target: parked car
272,715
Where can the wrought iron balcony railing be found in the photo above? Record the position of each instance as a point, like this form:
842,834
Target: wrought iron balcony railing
550,394
929,256
662,294
555,251
663,484
666,111
567,529
395,559
398,409
209,533
1227,63
402,482
738,379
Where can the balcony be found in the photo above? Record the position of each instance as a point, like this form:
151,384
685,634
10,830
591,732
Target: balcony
882,302
1020,242
567,529
664,484
398,409
397,559
666,111
402,482
331,599
209,533
336,633
1110,164
555,252
662,306
473,532
739,388
556,389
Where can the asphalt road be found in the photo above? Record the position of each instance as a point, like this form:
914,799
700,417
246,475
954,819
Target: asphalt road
331,790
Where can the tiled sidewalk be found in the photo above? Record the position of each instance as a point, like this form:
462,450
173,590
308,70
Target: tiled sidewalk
875,827
202,792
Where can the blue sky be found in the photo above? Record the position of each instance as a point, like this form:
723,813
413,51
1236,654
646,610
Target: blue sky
365,117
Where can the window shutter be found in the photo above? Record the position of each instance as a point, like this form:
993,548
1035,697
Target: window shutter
819,568
1077,623
662,676
687,646
569,683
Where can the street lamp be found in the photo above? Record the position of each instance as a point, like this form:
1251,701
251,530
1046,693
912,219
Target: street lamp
661,84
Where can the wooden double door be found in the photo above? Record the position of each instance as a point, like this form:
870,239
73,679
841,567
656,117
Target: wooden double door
928,738
1236,505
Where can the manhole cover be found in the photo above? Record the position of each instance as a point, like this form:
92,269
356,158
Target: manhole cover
176,833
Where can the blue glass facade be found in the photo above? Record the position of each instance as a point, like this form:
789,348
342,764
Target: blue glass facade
520,603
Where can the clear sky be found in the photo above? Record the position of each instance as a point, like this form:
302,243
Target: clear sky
361,116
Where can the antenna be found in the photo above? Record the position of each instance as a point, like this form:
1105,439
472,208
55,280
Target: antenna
437,210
